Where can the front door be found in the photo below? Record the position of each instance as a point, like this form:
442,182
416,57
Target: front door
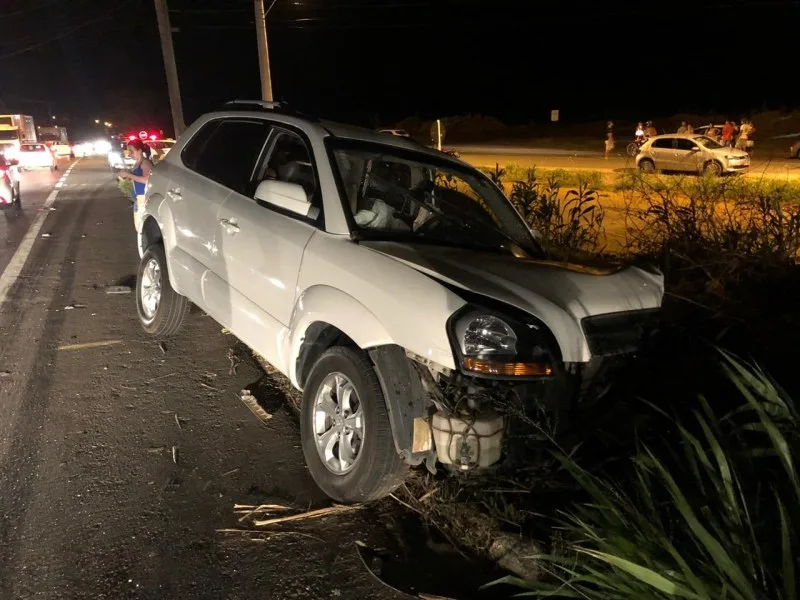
688,157
263,246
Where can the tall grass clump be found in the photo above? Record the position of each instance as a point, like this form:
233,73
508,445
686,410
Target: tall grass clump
567,222
708,509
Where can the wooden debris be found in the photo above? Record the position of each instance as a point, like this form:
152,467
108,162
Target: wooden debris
312,514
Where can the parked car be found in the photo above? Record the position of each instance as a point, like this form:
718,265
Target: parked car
396,286
690,153
9,183
36,156
794,149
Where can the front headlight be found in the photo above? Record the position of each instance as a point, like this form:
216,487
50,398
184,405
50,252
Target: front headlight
491,344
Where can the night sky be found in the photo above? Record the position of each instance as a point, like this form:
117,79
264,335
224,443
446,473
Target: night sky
375,62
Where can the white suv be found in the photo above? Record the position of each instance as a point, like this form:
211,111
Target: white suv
395,286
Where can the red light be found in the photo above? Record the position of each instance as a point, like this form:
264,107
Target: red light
153,136
2,173
131,137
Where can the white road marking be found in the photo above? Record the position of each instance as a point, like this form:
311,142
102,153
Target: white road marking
17,262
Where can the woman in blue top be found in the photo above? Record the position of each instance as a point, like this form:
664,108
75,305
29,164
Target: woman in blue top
139,174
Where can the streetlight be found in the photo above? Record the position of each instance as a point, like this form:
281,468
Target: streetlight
97,121
108,124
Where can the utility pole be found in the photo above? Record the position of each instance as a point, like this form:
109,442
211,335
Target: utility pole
263,51
165,31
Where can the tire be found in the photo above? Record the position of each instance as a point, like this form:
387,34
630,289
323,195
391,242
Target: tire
712,168
632,149
377,469
17,199
165,316
647,166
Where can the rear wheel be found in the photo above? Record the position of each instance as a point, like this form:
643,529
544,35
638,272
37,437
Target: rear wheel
161,309
346,436
647,166
632,149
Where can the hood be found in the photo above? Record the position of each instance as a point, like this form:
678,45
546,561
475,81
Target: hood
729,152
547,290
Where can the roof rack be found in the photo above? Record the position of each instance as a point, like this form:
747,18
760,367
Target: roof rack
280,107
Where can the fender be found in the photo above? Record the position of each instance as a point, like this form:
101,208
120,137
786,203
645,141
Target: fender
322,303
405,398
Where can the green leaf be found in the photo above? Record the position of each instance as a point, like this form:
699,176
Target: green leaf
643,574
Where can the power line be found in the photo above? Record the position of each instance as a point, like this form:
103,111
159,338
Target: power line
67,32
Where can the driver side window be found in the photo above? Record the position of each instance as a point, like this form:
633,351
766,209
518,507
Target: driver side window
685,145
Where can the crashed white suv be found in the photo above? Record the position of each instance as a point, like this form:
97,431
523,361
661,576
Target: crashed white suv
395,286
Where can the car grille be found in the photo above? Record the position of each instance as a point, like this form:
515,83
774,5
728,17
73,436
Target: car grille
619,333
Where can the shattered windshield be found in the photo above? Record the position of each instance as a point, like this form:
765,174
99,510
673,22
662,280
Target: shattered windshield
398,194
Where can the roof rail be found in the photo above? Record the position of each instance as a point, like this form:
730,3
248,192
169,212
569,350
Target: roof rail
279,107
261,103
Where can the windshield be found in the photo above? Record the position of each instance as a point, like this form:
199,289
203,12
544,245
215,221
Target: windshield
9,134
394,193
708,142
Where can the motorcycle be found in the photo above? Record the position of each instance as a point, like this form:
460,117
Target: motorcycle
634,147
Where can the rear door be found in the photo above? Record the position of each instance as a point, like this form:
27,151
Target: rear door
221,157
662,153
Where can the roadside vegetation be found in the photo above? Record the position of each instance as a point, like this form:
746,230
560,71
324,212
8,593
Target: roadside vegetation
682,482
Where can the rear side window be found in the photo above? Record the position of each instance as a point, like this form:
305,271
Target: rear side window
663,143
684,144
229,153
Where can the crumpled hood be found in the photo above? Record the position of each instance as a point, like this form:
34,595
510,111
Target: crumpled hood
550,291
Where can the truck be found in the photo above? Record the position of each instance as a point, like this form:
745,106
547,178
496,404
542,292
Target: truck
56,139
16,130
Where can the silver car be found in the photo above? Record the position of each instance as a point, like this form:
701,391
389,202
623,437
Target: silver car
690,153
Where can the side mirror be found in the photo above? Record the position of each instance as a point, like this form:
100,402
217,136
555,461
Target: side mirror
288,196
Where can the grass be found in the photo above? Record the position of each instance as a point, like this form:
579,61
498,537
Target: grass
707,509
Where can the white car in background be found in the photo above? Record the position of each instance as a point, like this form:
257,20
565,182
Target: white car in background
396,286
690,153
36,156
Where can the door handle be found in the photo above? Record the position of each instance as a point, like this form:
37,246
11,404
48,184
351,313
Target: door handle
175,193
230,227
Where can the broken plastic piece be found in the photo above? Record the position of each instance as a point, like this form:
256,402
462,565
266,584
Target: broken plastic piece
118,289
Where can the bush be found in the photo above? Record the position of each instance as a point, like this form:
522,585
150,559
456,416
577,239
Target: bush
708,509
569,222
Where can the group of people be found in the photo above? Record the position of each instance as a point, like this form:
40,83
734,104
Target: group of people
732,135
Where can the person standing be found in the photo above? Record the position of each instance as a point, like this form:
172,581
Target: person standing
609,141
728,131
650,130
139,175
682,128
689,128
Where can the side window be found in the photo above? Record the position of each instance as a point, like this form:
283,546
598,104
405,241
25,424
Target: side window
230,154
197,144
290,161
684,144
662,143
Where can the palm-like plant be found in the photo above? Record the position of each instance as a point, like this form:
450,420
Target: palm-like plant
709,512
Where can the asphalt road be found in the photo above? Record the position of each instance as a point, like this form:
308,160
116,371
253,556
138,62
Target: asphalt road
121,459
765,164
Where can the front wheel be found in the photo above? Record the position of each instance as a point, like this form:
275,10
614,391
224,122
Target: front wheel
161,309
713,169
633,149
345,432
